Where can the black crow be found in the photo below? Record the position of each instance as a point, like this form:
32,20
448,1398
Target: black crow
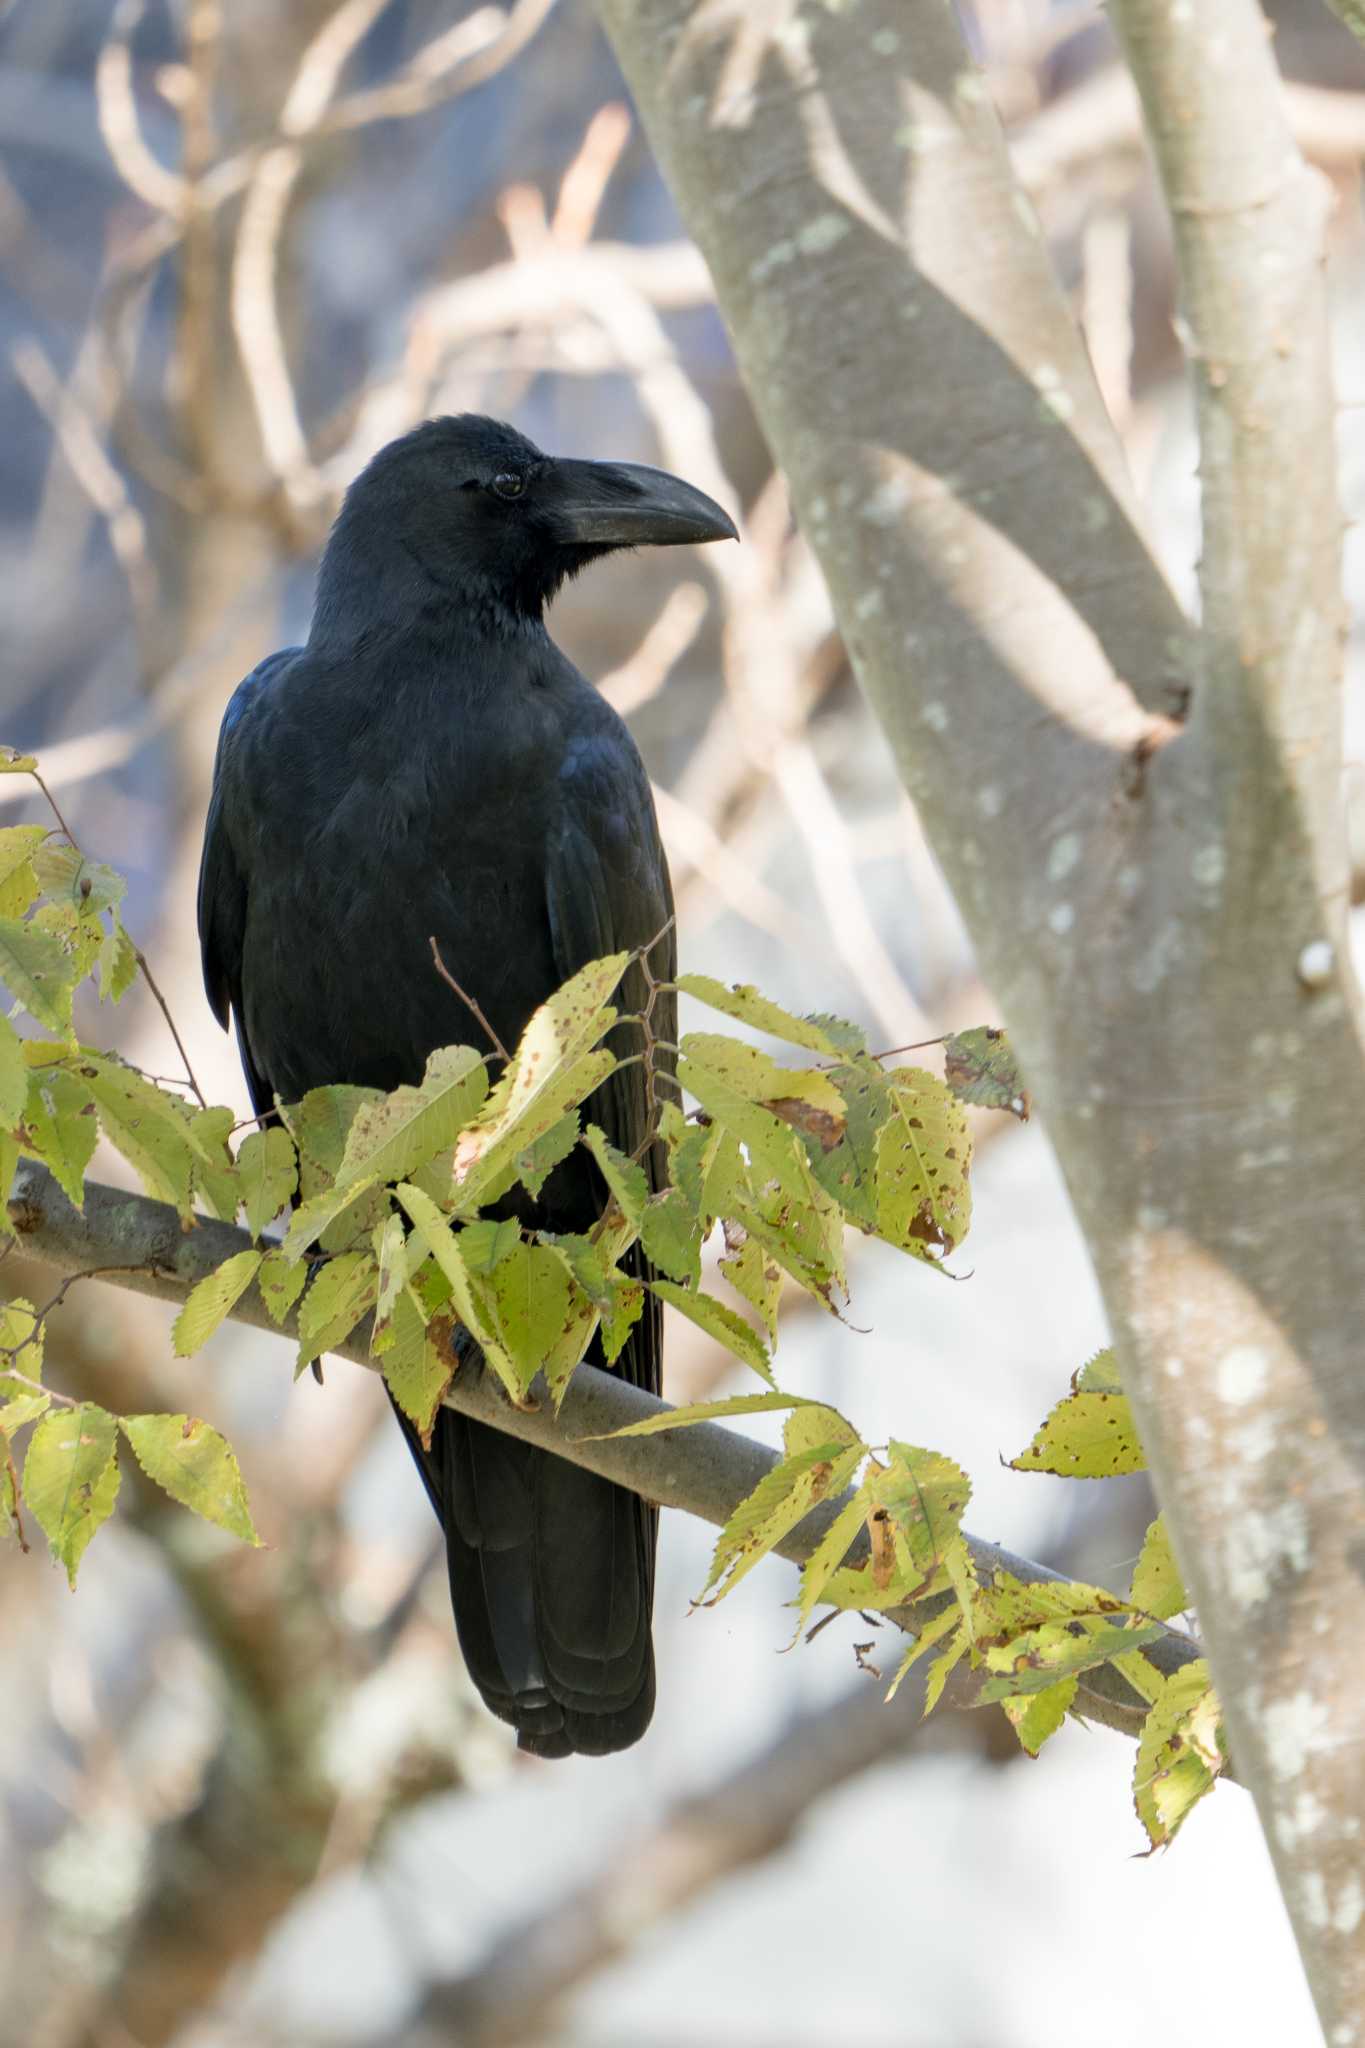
430,765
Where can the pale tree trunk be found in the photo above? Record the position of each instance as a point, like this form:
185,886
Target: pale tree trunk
1159,910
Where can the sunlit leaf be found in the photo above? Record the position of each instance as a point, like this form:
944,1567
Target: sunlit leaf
71,1479
531,1294
60,1128
214,1177
390,1137
442,1242
280,1283
923,1154
1055,1649
1087,1436
671,1236
1037,1716
417,1364
708,1411
118,963
18,881
195,1466
147,1125
821,1454
756,1276
626,1181
212,1300
829,1036
534,1165
89,886
1157,1585
1180,1752
312,1218
341,1291
13,1076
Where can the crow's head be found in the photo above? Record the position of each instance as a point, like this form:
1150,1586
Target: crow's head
466,512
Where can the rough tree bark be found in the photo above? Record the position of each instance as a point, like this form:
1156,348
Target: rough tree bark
1159,909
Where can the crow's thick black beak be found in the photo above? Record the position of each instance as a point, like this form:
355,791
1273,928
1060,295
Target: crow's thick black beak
626,505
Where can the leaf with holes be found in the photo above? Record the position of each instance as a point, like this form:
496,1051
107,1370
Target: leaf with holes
1087,1436
821,1454
36,969
1157,1585
211,1301
71,1479
1181,1752
417,1363
924,1202
756,1277
979,1066
195,1466
1056,1649
88,886
19,887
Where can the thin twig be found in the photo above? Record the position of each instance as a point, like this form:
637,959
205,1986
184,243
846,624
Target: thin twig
164,1007
468,1002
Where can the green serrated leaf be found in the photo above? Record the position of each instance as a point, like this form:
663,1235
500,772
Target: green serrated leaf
267,1175
313,1218
390,1243
1087,1436
88,886
1035,1717
18,1412
707,1411
626,1181
417,1364
214,1178
843,1158
671,1236
948,1621
743,1002
195,1466
319,1126
1157,1585
827,1557
211,1301
1099,1375
71,1479
804,1234
775,1152
442,1242
148,1126
979,1066
18,882
720,1322
118,963
1054,1650
1181,1752
484,1243
940,1669
531,1295
80,938
280,1282
36,969
757,1077
13,1076
60,1128
339,1294
21,1334
821,1454
540,1094
620,1313
390,1138
757,1278
924,1202
534,1166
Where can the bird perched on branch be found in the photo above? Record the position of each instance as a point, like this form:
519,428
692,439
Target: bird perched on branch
430,765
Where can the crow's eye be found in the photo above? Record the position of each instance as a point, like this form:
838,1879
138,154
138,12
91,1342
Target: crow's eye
508,484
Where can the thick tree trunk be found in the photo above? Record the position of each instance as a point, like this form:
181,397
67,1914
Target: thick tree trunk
1159,910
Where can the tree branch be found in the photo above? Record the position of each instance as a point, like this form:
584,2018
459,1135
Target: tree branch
1170,963
703,1470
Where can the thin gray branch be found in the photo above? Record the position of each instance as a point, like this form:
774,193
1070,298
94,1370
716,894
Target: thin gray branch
703,1470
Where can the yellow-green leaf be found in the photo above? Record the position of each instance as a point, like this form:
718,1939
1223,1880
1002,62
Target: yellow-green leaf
89,886
531,1294
389,1139
755,1275
339,1294
13,1076
148,1126
829,1036
1036,1716
979,1066
443,1244
281,1281
1087,1436
417,1363
34,966
1180,1752
118,963
212,1300
626,1181
267,1175
720,1322
312,1218
1040,1656
18,882
1157,1585
924,1202
195,1466
60,1128
71,1479
707,1411
671,1235
946,1622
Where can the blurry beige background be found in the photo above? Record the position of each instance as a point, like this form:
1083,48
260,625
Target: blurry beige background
250,1797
